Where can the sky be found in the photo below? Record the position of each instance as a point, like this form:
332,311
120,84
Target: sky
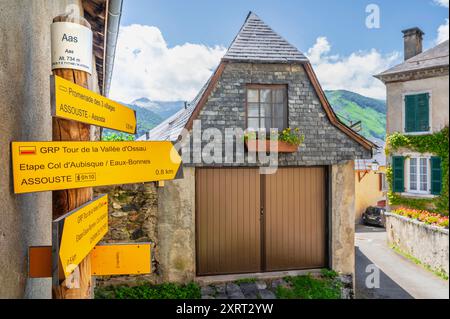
167,49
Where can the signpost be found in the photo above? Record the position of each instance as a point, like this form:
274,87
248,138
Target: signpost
71,165
77,233
49,166
73,102
106,260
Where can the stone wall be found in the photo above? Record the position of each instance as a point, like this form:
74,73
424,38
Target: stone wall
427,243
133,218
324,143
343,218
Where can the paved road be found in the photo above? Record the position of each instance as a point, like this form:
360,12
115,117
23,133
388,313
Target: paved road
399,277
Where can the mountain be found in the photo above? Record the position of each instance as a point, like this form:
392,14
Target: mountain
353,107
163,109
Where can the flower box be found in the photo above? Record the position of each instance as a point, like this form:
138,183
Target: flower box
270,146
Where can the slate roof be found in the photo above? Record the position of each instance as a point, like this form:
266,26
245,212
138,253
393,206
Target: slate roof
432,58
257,42
171,129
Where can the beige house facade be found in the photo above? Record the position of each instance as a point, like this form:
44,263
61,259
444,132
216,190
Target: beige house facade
417,105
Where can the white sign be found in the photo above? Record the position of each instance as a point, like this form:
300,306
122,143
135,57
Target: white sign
71,47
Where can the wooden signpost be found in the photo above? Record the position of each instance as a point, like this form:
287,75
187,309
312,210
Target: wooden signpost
72,164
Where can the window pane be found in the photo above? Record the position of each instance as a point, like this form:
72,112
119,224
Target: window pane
253,110
279,110
279,96
279,124
266,110
252,96
413,174
266,123
253,124
266,96
424,174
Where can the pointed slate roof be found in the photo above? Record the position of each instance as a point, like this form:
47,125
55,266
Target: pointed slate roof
257,42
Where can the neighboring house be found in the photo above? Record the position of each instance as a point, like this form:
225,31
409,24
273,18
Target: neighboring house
370,181
417,105
226,217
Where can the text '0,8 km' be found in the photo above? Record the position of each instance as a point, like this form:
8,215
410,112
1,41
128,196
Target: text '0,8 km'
49,166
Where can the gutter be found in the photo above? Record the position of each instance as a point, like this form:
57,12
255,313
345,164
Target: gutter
113,16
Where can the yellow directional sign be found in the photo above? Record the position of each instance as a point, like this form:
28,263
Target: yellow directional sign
50,166
78,232
73,102
121,260
106,260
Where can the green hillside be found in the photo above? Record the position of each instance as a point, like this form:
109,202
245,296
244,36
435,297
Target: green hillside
350,106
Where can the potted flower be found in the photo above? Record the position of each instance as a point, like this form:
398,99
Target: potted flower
288,141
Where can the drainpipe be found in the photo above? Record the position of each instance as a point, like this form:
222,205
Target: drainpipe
114,14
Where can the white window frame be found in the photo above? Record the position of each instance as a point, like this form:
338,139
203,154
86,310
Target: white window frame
425,194
430,106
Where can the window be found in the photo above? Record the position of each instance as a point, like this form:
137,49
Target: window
383,183
267,107
419,175
417,113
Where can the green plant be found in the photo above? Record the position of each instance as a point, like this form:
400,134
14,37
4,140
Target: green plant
329,274
438,144
307,287
290,136
146,291
118,137
438,272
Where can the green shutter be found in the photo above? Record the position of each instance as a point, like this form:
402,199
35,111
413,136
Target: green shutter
410,113
423,113
417,113
436,175
398,172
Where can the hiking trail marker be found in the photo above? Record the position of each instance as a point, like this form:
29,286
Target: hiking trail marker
73,102
77,233
106,259
51,166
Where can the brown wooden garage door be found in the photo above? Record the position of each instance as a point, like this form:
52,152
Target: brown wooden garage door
247,222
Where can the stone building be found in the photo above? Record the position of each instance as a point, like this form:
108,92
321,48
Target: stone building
417,105
25,69
229,217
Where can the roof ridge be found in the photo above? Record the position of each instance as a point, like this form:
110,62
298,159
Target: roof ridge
257,41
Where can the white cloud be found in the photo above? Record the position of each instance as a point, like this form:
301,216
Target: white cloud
443,32
146,67
354,72
442,3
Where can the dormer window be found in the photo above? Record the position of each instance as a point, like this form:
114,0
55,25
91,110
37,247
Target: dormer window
267,107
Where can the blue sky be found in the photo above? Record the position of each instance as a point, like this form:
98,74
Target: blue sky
214,22
168,48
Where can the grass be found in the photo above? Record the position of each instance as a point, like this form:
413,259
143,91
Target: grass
437,272
308,287
146,291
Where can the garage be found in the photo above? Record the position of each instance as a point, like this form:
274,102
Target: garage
247,222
